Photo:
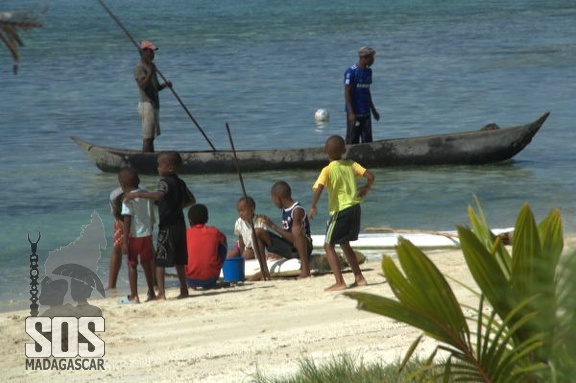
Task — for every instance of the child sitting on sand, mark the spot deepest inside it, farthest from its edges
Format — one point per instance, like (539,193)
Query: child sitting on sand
(339,177)
(206,249)
(246,207)
(293,239)
(138,216)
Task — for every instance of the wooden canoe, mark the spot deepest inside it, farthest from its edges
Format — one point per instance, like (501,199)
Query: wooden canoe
(466,148)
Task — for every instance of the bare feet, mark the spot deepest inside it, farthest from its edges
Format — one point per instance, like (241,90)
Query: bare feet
(150,296)
(160,297)
(336,287)
(183,294)
(112,292)
(128,300)
(304,275)
(359,282)
(256,277)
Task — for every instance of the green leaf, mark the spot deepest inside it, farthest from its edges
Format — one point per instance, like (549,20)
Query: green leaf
(397,311)
(487,273)
(525,253)
(428,285)
(484,234)
(552,237)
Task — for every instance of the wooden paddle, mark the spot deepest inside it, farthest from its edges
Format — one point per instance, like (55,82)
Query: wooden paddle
(160,73)
(260,257)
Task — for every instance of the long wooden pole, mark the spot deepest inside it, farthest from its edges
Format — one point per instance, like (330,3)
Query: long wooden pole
(261,257)
(160,73)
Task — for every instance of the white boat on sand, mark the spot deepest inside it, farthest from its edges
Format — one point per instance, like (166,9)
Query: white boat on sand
(371,245)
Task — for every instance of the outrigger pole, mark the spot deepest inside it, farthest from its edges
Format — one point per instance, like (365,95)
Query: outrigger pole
(261,257)
(160,73)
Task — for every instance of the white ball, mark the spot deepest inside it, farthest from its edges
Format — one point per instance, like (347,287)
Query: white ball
(321,115)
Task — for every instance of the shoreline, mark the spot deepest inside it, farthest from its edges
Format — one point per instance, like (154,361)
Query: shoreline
(228,334)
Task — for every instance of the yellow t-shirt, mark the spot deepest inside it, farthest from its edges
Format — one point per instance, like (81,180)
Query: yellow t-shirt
(339,177)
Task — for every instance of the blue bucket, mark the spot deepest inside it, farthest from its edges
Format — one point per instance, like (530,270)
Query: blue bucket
(233,269)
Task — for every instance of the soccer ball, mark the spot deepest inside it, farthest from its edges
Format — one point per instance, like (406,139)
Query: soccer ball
(321,116)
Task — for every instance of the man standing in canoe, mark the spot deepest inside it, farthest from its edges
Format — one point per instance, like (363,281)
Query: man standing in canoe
(359,106)
(149,105)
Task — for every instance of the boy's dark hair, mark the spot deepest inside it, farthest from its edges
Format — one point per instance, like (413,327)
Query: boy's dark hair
(129,177)
(197,214)
(173,158)
(249,201)
(335,146)
(282,188)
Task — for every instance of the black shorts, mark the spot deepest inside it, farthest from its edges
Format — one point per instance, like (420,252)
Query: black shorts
(171,248)
(284,248)
(344,226)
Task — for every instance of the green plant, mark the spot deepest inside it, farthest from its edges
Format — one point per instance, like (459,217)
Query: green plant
(344,369)
(526,304)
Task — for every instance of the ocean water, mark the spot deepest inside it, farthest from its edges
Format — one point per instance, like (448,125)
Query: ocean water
(265,67)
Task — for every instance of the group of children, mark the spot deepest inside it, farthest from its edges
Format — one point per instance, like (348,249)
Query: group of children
(133,211)
(199,251)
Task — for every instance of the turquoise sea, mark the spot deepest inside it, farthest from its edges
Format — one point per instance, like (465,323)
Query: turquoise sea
(265,67)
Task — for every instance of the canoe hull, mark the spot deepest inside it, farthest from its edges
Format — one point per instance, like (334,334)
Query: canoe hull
(467,148)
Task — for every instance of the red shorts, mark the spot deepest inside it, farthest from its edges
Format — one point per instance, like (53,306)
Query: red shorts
(140,247)
(118,234)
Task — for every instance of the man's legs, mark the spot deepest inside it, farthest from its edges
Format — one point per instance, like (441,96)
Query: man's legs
(365,128)
(148,145)
(150,125)
(352,132)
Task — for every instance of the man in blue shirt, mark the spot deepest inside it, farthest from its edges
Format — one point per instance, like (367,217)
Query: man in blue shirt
(359,106)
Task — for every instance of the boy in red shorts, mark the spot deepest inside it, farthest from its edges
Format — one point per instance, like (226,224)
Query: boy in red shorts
(172,195)
(138,216)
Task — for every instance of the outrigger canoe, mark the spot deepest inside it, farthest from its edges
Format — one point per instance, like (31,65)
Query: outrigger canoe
(466,148)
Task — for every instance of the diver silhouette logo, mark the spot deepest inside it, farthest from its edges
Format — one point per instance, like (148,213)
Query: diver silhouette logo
(65,325)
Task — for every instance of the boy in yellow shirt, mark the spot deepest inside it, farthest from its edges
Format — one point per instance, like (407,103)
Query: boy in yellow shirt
(339,177)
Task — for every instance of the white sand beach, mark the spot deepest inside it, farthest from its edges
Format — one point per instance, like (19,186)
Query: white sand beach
(225,335)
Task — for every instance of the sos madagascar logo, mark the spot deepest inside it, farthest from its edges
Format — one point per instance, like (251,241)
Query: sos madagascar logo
(63,326)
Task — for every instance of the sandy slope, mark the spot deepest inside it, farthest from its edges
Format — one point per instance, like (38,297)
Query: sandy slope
(226,335)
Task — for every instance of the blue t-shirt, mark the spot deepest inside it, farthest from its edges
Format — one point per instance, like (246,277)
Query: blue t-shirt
(288,219)
(359,79)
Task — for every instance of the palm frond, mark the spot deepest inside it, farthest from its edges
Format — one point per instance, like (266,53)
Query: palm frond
(13,24)
(484,234)
(487,273)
